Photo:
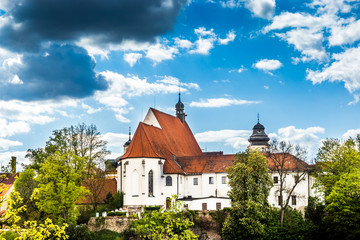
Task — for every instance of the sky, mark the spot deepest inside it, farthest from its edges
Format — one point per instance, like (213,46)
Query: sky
(105,62)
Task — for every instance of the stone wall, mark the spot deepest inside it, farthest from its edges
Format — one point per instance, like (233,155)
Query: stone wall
(113,223)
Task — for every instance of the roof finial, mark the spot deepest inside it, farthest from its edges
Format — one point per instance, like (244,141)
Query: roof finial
(258,117)
(129,133)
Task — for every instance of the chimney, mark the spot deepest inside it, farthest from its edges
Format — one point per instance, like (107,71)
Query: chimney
(13,164)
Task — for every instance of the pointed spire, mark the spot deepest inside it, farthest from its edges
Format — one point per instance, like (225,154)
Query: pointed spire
(129,133)
(258,117)
(179,108)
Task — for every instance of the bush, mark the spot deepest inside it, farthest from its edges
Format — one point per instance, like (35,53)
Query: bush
(79,232)
(8,235)
(152,208)
(85,213)
(119,214)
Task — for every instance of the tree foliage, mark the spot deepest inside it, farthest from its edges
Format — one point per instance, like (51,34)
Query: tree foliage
(59,186)
(170,224)
(250,185)
(338,175)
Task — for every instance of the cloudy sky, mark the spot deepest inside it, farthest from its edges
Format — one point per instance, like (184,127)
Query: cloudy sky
(64,62)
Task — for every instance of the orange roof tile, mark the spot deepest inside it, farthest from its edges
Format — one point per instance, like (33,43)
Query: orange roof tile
(172,139)
(206,163)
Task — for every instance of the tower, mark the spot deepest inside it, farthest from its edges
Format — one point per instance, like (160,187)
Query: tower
(259,139)
(126,145)
(179,108)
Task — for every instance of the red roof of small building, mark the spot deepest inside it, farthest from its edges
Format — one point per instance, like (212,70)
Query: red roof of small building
(9,181)
(108,186)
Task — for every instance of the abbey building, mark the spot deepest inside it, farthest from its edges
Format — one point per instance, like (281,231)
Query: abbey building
(163,158)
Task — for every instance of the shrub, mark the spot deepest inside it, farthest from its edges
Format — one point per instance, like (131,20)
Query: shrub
(79,232)
(119,214)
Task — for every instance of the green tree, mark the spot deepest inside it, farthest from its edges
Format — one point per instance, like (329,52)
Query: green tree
(343,207)
(58,187)
(171,224)
(24,186)
(250,184)
(335,159)
(338,176)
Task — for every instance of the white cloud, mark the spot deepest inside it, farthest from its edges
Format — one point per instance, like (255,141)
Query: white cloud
(115,139)
(11,128)
(220,102)
(159,53)
(261,8)
(306,138)
(300,20)
(267,65)
(350,133)
(345,34)
(308,42)
(230,37)
(89,109)
(183,43)
(345,68)
(332,6)
(175,81)
(15,80)
(121,87)
(238,139)
(36,112)
(205,42)
(132,58)
(231,3)
(266,87)
(5,144)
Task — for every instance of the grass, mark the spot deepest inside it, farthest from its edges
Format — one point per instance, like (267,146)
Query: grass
(107,235)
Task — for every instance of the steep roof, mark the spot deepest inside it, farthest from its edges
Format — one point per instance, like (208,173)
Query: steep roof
(172,138)
(107,186)
(9,181)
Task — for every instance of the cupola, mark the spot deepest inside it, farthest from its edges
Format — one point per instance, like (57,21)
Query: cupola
(126,145)
(179,108)
(259,139)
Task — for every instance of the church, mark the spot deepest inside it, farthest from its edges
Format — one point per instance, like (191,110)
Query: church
(163,158)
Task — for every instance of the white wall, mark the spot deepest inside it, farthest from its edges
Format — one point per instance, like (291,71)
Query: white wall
(196,204)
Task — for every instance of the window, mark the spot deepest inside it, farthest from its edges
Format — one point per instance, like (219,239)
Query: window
(293,200)
(211,180)
(195,181)
(151,183)
(218,205)
(186,206)
(280,200)
(204,206)
(168,181)
(276,179)
(223,179)
(135,183)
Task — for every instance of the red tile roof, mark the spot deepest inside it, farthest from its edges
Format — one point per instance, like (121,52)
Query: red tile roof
(8,181)
(109,185)
(175,143)
(172,139)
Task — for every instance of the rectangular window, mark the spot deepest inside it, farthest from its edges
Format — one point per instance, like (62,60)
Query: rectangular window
(211,180)
(280,200)
(218,205)
(223,179)
(204,206)
(195,181)
(186,206)
(293,200)
(276,180)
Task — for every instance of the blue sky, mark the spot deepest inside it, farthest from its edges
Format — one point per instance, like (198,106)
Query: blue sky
(296,63)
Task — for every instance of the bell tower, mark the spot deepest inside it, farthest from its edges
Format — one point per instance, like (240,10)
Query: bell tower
(259,139)
(179,108)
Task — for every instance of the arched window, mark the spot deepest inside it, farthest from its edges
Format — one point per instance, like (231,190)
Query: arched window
(135,183)
(168,181)
(151,183)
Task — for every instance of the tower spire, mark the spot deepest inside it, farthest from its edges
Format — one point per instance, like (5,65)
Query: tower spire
(179,108)
(129,133)
(259,139)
